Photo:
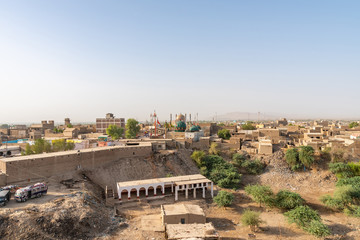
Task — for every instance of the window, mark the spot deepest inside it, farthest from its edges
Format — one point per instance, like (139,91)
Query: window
(182,221)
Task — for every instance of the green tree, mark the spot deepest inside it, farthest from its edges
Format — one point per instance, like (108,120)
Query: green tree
(28,150)
(224,134)
(224,199)
(261,194)
(69,146)
(288,200)
(214,149)
(248,126)
(306,156)
(292,158)
(198,157)
(114,132)
(59,145)
(353,125)
(39,146)
(253,166)
(69,125)
(47,147)
(251,219)
(132,128)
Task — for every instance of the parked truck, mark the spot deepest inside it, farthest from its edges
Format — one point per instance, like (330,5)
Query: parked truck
(4,197)
(32,191)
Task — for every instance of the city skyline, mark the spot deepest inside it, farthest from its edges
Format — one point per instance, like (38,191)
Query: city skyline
(84,59)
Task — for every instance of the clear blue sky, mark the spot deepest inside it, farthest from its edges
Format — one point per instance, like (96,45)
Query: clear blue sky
(82,59)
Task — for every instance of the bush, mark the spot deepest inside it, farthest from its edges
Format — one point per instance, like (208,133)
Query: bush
(354,181)
(253,166)
(353,211)
(353,125)
(198,157)
(317,229)
(288,200)
(302,216)
(214,149)
(238,159)
(224,134)
(355,168)
(337,155)
(261,194)
(341,170)
(306,156)
(224,199)
(251,218)
(343,197)
(220,172)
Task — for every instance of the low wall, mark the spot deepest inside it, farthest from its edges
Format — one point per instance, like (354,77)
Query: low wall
(51,164)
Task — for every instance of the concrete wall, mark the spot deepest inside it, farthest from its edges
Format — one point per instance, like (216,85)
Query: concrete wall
(50,164)
(189,218)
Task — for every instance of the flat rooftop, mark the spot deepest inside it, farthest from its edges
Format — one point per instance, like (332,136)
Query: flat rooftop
(178,209)
(64,153)
(175,180)
(186,231)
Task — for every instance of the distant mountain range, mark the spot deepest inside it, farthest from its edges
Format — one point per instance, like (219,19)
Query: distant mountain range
(264,116)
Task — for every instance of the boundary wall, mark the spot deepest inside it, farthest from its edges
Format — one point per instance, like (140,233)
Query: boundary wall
(50,164)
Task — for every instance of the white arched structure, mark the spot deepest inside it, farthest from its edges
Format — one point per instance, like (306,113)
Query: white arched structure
(181,183)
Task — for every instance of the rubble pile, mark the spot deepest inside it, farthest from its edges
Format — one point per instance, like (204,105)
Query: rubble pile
(75,216)
(279,175)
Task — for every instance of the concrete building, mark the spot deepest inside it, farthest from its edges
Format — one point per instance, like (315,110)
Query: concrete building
(103,123)
(195,136)
(182,214)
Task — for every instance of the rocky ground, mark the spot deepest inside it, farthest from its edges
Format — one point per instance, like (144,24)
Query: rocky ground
(77,215)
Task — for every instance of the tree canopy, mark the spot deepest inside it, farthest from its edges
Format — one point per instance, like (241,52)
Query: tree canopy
(248,126)
(353,125)
(306,155)
(224,199)
(224,134)
(114,132)
(261,194)
(132,128)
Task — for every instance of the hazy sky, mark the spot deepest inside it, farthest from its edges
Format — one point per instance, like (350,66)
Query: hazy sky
(82,59)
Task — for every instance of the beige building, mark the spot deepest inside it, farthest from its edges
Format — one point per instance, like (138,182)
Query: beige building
(265,147)
(71,133)
(182,214)
(103,123)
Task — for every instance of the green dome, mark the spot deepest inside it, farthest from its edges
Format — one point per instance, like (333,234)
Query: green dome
(180,127)
(194,128)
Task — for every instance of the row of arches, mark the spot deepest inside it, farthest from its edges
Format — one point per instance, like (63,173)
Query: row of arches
(134,192)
